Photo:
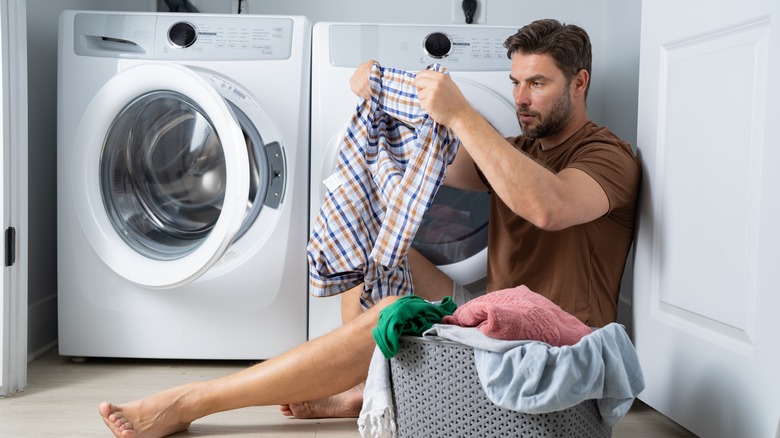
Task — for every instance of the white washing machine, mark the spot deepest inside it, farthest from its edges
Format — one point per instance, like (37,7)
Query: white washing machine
(182,184)
(454,231)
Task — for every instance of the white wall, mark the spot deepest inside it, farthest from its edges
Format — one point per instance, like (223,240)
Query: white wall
(620,76)
(206,6)
(42,17)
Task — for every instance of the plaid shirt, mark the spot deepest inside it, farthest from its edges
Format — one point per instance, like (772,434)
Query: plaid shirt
(391,162)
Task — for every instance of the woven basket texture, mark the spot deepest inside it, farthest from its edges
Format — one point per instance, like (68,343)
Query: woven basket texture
(437,393)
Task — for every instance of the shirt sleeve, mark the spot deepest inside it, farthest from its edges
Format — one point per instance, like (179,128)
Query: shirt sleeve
(616,169)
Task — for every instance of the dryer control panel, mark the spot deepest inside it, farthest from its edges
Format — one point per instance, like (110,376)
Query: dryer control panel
(183,36)
(458,48)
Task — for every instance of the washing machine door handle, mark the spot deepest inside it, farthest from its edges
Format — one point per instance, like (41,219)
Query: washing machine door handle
(125,189)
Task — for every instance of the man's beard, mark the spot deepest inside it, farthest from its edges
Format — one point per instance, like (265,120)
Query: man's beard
(552,123)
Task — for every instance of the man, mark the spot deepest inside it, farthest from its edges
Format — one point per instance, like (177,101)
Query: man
(564,193)
(562,218)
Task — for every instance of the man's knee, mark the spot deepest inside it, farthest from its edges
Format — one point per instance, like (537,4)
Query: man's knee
(371,315)
(384,302)
(380,305)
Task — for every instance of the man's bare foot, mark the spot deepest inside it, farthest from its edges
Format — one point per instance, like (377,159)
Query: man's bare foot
(152,417)
(344,405)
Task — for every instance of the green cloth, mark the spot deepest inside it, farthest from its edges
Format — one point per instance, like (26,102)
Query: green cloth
(410,315)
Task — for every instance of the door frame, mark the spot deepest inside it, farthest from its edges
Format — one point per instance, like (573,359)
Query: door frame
(13,178)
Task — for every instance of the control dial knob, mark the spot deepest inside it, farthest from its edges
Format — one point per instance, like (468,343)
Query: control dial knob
(437,45)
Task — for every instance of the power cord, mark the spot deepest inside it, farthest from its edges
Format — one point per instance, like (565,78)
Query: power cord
(469,8)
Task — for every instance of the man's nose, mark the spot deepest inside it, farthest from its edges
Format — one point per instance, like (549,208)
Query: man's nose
(521,96)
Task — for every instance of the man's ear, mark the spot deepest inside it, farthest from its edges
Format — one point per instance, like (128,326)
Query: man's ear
(580,82)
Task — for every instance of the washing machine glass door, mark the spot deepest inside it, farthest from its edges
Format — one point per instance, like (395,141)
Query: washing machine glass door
(454,230)
(166,174)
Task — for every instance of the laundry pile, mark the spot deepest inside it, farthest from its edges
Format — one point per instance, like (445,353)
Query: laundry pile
(530,355)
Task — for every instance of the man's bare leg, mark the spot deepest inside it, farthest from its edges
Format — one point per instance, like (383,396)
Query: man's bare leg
(316,369)
(350,304)
(343,405)
(429,283)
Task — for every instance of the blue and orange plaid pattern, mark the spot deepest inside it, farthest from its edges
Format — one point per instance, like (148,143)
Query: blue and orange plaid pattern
(391,163)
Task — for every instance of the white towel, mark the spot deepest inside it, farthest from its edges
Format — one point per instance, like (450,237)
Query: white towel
(377,416)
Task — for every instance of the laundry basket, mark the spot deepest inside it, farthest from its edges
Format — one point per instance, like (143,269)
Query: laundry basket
(437,392)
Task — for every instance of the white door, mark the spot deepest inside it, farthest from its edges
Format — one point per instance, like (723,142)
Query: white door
(708,245)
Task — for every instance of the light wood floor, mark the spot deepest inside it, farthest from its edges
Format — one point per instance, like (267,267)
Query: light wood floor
(62,396)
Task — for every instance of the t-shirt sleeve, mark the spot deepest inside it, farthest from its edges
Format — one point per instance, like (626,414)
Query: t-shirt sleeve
(616,169)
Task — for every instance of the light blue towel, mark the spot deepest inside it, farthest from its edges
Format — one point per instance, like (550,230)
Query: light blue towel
(534,377)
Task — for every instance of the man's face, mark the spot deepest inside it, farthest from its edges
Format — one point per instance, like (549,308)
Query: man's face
(542,95)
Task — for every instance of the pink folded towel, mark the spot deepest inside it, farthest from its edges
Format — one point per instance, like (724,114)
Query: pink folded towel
(519,314)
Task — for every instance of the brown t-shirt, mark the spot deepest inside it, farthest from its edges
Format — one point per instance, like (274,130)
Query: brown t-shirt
(578,268)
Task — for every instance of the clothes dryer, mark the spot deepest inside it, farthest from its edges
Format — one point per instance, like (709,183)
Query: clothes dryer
(454,230)
(182,184)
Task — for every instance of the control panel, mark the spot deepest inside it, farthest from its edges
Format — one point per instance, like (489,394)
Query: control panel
(183,37)
(214,38)
(414,47)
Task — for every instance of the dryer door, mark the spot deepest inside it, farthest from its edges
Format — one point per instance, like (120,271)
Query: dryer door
(163,175)
(454,231)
